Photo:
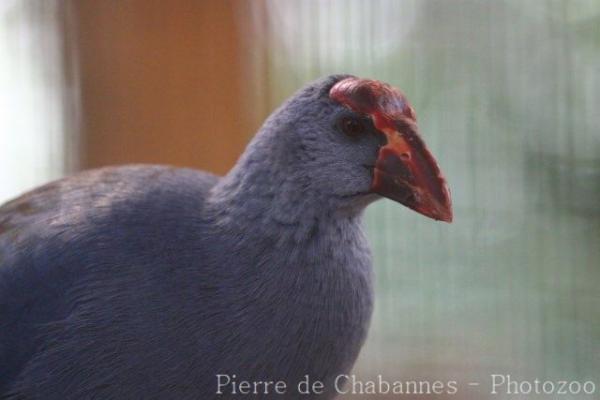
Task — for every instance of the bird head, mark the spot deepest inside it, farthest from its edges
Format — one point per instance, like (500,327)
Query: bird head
(404,169)
(354,140)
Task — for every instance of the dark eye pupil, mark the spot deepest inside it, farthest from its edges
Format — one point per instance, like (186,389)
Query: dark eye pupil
(352,127)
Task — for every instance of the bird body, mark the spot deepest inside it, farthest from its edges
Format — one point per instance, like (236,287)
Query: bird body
(71,307)
(145,282)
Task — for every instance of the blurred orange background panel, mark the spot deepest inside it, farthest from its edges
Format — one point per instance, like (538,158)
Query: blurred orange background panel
(162,82)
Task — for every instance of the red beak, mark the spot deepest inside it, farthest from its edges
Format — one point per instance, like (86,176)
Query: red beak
(405,170)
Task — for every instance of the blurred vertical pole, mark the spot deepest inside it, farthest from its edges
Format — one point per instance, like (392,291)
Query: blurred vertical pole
(162,82)
(255,35)
(38,95)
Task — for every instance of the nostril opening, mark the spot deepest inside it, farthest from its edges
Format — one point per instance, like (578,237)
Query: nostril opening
(405,156)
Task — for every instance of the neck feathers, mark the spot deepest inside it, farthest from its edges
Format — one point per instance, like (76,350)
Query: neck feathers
(258,195)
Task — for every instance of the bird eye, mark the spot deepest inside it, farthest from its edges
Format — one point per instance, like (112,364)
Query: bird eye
(352,126)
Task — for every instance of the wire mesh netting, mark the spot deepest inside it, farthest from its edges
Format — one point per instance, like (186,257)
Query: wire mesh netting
(507,95)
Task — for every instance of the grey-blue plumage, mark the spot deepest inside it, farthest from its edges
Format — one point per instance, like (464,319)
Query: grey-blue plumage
(144,282)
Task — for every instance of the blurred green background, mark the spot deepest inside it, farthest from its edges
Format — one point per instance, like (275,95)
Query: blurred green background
(508,98)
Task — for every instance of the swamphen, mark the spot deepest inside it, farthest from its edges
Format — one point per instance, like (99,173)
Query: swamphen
(153,282)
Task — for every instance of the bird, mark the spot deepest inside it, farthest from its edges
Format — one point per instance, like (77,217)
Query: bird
(158,282)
